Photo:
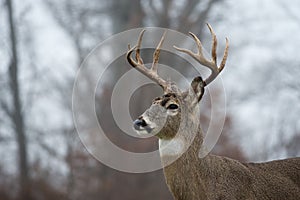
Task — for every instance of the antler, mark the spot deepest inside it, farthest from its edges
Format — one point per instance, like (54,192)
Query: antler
(211,64)
(139,64)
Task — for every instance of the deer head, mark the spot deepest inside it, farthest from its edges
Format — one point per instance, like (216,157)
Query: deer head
(174,110)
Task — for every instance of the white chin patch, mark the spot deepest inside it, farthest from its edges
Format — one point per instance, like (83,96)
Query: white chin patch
(173,147)
(142,132)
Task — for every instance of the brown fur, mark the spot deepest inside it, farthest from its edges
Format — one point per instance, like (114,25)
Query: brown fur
(212,177)
(216,177)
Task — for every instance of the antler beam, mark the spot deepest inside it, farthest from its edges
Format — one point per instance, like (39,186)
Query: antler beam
(199,57)
(139,64)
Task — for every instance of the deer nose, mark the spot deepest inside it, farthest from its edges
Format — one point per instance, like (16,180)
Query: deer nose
(139,123)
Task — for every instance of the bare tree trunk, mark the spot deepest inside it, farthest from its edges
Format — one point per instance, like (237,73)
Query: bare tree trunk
(17,116)
(126,14)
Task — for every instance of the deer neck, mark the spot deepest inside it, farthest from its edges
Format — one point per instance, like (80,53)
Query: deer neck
(186,143)
(179,165)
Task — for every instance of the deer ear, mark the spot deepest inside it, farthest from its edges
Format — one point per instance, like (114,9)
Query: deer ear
(196,90)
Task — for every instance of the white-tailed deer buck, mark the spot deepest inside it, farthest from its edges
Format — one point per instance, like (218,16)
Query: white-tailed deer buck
(174,119)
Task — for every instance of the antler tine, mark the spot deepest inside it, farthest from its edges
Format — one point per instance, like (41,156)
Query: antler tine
(139,65)
(214,43)
(189,52)
(225,55)
(199,55)
(156,53)
(211,64)
(139,60)
(138,47)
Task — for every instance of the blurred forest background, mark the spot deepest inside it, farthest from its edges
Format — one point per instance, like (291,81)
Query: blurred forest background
(43,43)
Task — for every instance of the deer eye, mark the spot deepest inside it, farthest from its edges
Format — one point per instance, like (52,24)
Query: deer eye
(172,106)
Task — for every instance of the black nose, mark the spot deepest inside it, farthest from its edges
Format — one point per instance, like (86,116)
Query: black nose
(139,123)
